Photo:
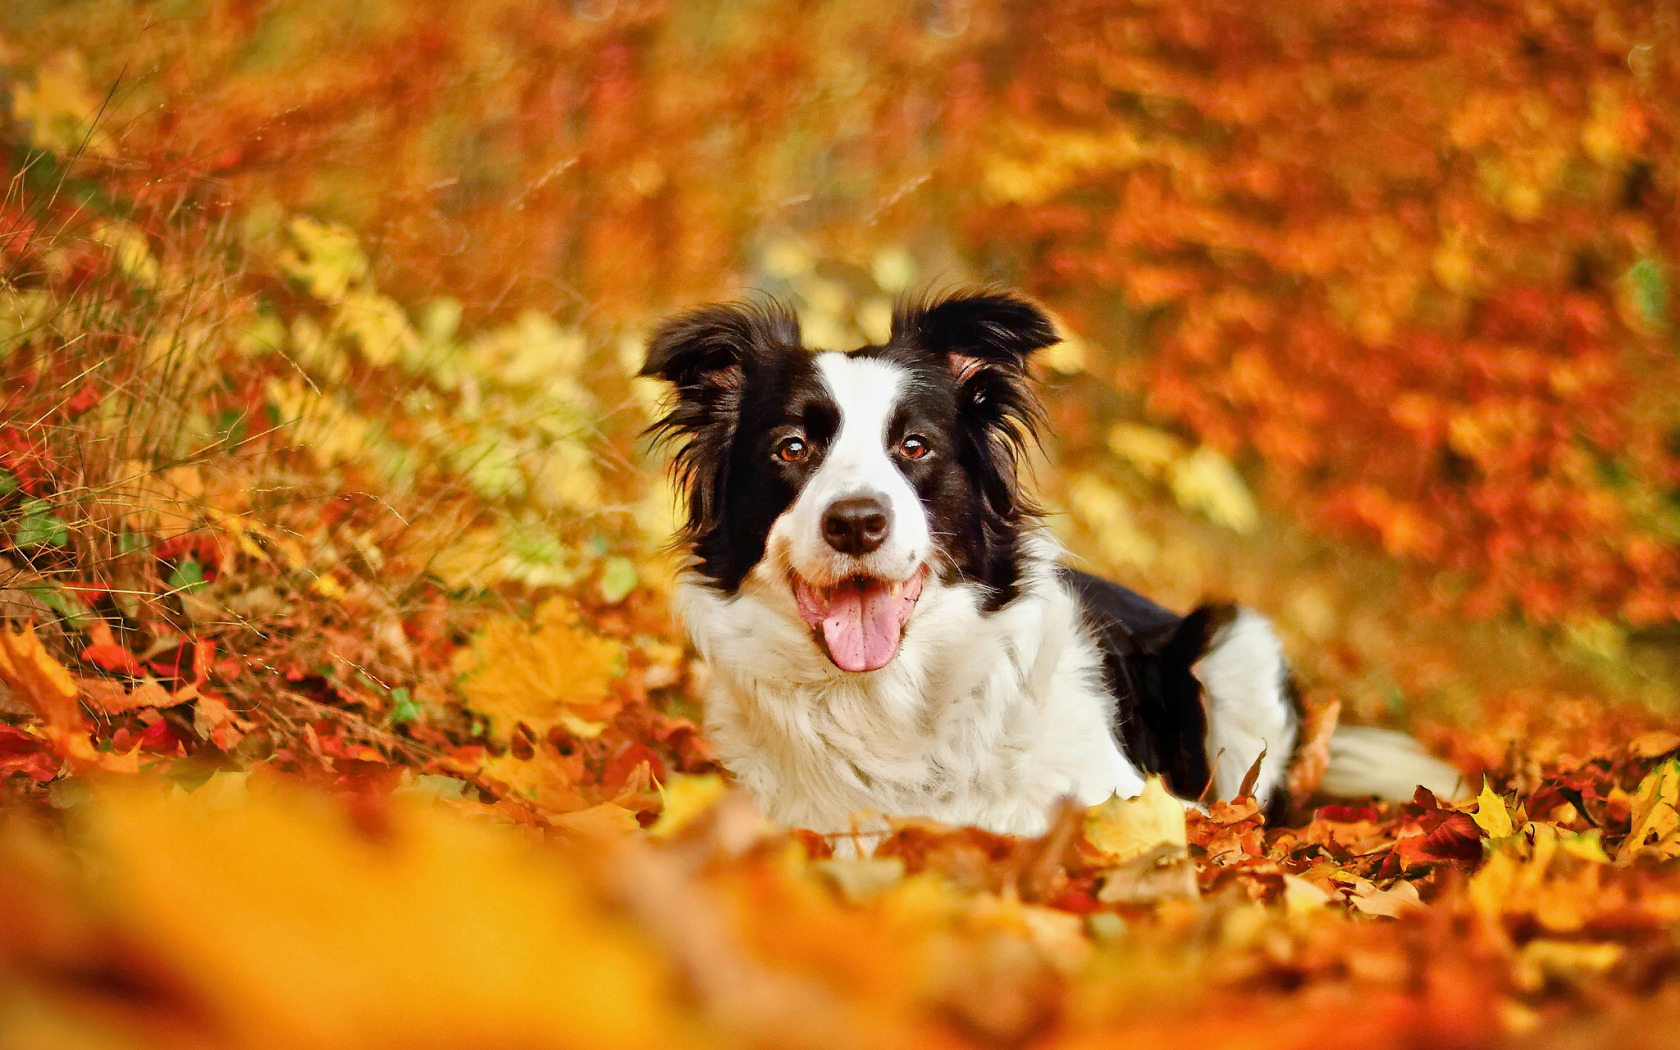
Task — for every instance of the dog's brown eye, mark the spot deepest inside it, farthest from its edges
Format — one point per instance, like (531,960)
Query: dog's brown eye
(912,447)
(792,450)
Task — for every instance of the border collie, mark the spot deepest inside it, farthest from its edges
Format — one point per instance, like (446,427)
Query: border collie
(889,627)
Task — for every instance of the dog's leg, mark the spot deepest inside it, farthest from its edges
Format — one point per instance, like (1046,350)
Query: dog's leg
(1251,709)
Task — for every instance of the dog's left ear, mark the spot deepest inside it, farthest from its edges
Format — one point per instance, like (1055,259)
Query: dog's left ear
(977,330)
(985,338)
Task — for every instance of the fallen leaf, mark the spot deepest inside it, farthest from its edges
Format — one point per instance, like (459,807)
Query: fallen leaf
(1312,758)
(558,673)
(1491,815)
(49,690)
(1391,903)
(1124,828)
(685,798)
(1654,823)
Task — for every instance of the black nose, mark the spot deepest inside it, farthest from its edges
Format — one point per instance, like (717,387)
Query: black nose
(857,525)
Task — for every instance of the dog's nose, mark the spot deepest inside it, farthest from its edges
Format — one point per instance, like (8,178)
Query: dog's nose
(857,525)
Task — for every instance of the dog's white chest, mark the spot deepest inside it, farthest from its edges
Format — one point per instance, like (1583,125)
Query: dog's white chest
(982,719)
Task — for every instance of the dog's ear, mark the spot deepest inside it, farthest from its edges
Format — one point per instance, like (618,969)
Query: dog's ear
(977,330)
(985,338)
(704,348)
(704,353)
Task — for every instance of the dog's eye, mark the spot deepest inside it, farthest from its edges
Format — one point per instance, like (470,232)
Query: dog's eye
(913,447)
(792,450)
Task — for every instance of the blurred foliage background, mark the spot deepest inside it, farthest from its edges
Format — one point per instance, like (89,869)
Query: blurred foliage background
(1369,305)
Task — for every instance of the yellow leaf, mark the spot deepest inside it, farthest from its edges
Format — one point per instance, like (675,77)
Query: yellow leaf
(1491,815)
(1391,903)
(545,781)
(326,257)
(1068,357)
(1207,484)
(441,931)
(1301,896)
(158,503)
(686,797)
(1544,960)
(1655,824)
(540,677)
(604,821)
(565,476)
(861,879)
(49,690)
(132,251)
(1105,513)
(378,327)
(1124,828)
(60,108)
(1149,451)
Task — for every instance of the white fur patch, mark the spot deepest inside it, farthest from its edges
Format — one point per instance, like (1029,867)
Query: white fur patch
(981,719)
(857,463)
(1244,680)
(1367,762)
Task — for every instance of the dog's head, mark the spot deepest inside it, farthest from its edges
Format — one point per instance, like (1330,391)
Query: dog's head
(853,477)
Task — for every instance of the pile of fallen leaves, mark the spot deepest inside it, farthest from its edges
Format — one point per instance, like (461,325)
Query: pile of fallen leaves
(249,910)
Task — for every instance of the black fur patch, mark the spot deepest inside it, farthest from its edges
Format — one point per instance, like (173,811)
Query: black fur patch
(977,344)
(741,376)
(743,380)
(1147,656)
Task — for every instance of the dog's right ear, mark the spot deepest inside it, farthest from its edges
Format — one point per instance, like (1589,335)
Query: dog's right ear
(702,350)
(703,354)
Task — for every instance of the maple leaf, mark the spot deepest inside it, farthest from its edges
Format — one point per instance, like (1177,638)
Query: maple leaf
(107,654)
(1312,757)
(49,690)
(1655,823)
(559,673)
(1124,828)
(1491,815)
(684,798)
(545,779)
(24,752)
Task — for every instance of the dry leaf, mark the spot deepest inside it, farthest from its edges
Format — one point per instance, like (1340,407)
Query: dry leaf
(558,673)
(1491,815)
(42,683)
(1312,758)
(1124,828)
(302,931)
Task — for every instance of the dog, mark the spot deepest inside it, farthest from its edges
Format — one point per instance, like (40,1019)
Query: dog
(890,628)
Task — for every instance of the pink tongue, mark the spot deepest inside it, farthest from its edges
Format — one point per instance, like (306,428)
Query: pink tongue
(863,625)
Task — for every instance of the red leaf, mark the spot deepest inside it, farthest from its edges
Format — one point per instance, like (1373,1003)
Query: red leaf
(21,752)
(107,654)
(84,399)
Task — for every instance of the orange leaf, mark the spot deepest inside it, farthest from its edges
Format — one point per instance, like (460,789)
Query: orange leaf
(107,654)
(42,683)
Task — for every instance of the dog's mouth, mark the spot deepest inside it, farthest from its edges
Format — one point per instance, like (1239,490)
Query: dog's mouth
(861,619)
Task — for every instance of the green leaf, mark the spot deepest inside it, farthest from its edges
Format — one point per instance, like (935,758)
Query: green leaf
(618,579)
(188,576)
(38,527)
(71,609)
(407,709)
(1649,282)
(8,484)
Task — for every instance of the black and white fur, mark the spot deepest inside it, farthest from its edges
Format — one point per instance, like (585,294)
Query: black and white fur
(865,510)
